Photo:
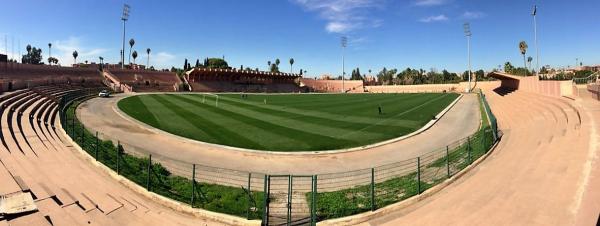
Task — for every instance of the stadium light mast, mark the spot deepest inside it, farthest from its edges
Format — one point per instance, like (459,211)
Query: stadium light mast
(467,28)
(124,18)
(344,42)
(537,50)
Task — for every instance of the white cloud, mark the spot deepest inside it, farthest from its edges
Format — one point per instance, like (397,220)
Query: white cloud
(162,60)
(343,15)
(63,51)
(430,2)
(437,18)
(473,15)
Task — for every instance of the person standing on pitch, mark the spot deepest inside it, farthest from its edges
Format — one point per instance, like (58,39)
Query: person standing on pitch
(379,108)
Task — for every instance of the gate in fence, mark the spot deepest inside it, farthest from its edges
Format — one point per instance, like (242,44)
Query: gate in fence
(290,200)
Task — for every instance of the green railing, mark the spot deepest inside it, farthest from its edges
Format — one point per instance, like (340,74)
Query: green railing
(282,199)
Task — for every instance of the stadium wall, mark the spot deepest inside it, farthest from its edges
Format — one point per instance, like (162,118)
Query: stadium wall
(413,88)
(332,86)
(451,87)
(534,85)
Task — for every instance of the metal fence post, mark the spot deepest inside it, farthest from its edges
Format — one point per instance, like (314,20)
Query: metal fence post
(372,189)
(249,197)
(97,146)
(265,219)
(289,215)
(118,154)
(149,169)
(418,175)
(447,161)
(193,184)
(313,206)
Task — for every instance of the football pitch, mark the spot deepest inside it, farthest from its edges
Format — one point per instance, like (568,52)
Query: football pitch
(288,122)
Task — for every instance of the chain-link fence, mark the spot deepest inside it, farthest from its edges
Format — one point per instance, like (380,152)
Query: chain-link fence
(281,199)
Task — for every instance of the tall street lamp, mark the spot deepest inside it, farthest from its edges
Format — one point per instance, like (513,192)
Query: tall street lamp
(344,42)
(537,51)
(467,28)
(124,18)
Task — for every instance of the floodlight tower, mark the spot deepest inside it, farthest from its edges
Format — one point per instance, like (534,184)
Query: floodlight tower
(124,18)
(344,42)
(467,28)
(537,51)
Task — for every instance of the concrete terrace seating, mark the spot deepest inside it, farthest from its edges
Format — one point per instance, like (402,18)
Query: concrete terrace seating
(66,189)
(18,76)
(228,86)
(147,81)
(535,171)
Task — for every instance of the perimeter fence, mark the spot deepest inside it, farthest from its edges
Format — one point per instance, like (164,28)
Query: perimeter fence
(281,199)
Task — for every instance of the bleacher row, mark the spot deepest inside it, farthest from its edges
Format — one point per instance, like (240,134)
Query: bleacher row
(40,168)
(228,86)
(15,76)
(147,81)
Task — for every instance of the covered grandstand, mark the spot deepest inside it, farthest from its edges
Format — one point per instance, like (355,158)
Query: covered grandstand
(232,80)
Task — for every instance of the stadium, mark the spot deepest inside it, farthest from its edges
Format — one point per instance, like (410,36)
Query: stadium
(125,144)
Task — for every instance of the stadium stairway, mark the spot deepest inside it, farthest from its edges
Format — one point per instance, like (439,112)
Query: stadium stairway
(532,178)
(35,158)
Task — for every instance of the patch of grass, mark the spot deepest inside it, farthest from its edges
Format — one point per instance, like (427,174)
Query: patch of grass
(296,122)
(213,197)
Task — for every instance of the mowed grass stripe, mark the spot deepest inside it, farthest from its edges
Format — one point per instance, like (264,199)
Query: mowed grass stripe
(315,141)
(264,138)
(316,101)
(216,133)
(369,106)
(137,109)
(348,116)
(287,113)
(390,107)
(429,102)
(433,109)
(288,120)
(170,120)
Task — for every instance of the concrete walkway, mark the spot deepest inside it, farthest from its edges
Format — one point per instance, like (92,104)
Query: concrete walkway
(101,115)
(544,171)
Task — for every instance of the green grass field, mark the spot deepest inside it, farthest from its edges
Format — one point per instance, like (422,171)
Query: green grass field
(297,122)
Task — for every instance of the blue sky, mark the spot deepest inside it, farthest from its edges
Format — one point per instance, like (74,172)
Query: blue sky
(382,33)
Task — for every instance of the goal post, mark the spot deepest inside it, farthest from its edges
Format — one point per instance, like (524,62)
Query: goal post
(210,94)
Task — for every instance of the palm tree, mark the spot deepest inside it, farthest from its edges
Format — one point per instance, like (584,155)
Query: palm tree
(49,52)
(529,59)
(148,60)
(523,48)
(134,55)
(75,54)
(291,65)
(131,43)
